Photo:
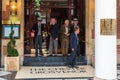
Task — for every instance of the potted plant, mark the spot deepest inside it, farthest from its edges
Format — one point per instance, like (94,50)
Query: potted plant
(12,58)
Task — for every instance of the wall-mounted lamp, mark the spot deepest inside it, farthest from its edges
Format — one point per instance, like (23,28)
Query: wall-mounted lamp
(13,7)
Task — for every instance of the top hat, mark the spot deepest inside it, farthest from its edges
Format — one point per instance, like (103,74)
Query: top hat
(75,19)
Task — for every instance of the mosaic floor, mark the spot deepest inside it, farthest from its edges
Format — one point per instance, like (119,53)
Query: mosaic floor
(55,72)
(118,72)
(11,76)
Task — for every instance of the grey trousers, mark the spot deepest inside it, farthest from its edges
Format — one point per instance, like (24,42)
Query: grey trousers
(38,44)
(51,44)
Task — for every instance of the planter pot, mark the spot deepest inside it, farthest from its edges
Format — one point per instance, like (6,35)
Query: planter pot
(12,63)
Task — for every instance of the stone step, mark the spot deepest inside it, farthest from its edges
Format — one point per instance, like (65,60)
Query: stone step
(51,61)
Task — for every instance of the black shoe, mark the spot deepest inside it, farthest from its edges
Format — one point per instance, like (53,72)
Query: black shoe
(70,66)
(36,55)
(50,55)
(40,54)
(55,55)
(66,55)
(75,67)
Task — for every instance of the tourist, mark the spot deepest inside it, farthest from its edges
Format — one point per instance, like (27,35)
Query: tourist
(65,32)
(53,32)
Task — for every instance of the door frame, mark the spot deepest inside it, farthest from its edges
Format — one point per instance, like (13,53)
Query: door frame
(70,16)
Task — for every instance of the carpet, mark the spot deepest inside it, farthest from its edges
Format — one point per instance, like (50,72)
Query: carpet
(51,61)
(57,72)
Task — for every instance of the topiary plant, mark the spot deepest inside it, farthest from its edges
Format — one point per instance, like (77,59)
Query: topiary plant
(11,51)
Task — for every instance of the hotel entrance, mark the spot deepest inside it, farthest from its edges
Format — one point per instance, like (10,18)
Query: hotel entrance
(25,14)
(61,10)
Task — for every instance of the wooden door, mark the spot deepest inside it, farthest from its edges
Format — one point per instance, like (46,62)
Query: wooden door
(30,17)
(81,15)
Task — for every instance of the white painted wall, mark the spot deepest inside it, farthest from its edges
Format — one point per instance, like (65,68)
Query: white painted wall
(105,46)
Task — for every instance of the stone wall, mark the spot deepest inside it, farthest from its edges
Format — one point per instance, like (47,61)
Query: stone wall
(90,7)
(118,31)
(118,26)
(18,19)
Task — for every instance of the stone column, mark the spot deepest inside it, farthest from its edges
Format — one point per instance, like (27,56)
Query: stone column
(105,39)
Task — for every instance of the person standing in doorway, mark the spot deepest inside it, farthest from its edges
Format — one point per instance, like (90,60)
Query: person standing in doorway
(38,29)
(65,32)
(75,24)
(53,32)
(74,43)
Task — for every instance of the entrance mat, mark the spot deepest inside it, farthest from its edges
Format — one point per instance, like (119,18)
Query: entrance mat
(57,72)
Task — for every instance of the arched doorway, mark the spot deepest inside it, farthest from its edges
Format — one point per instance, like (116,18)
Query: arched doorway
(48,8)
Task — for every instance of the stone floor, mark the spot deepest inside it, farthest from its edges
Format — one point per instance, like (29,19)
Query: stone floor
(11,75)
(118,72)
(7,76)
